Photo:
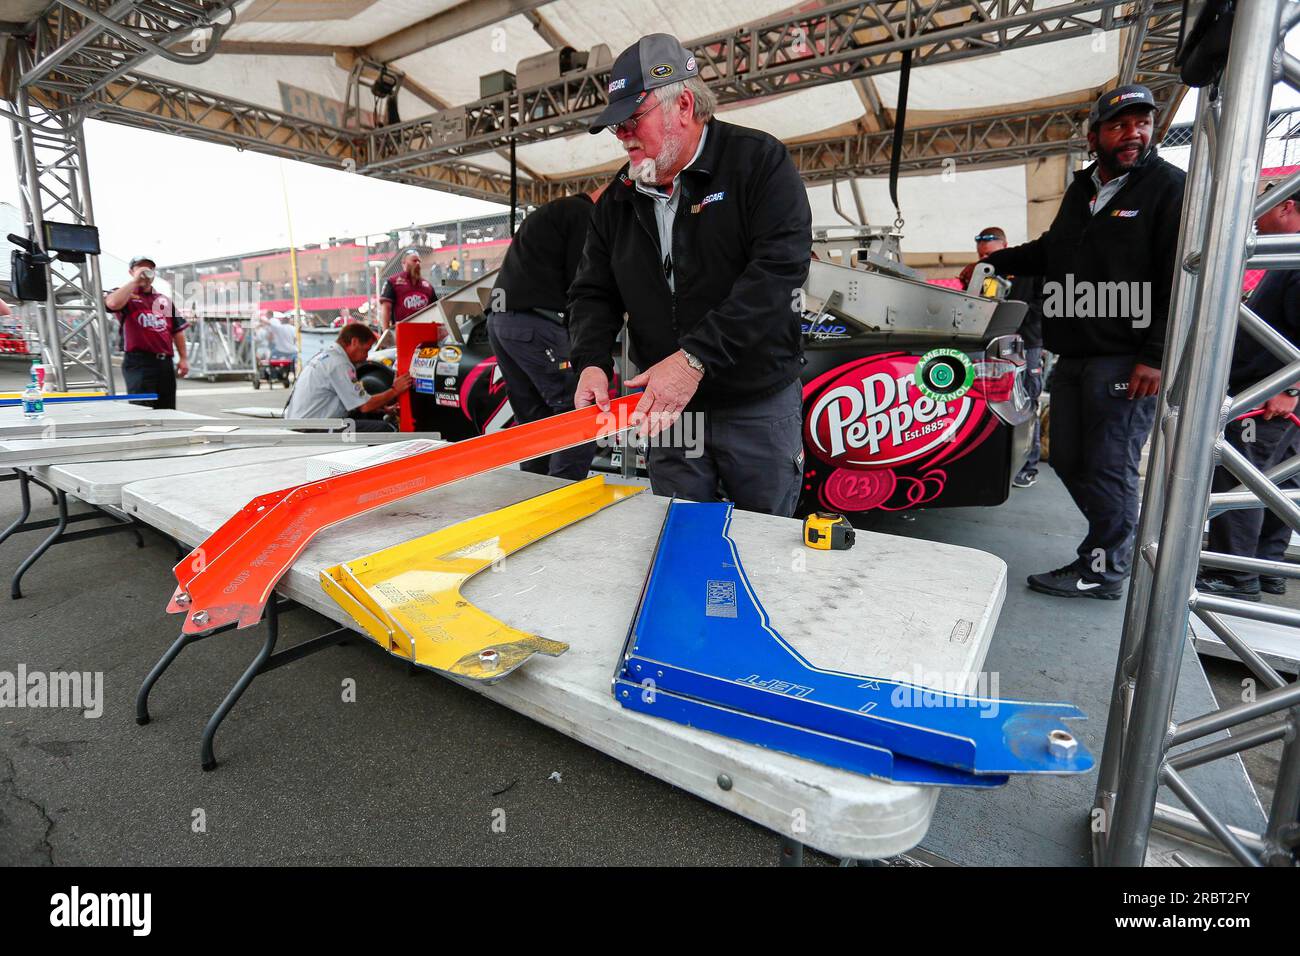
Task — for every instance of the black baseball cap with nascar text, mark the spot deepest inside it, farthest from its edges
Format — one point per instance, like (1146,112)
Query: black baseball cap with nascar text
(651,62)
(1119,99)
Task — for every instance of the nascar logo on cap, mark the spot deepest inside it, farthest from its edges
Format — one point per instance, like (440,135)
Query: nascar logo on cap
(617,85)
(662,70)
(1125,96)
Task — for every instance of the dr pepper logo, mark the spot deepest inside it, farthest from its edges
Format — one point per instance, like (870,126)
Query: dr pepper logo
(869,414)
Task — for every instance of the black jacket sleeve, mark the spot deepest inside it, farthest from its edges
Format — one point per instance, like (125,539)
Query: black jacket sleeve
(767,292)
(595,303)
(575,239)
(1026,259)
(1164,242)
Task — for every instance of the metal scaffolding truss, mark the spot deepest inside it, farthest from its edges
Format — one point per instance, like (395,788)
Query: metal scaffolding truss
(987,141)
(83,45)
(1145,749)
(50,160)
(831,44)
(834,43)
(1148,57)
(75,51)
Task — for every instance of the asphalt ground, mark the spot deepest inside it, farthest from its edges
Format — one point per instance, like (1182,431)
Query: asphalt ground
(416,771)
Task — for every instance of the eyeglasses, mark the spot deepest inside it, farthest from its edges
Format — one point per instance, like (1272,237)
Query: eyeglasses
(628,126)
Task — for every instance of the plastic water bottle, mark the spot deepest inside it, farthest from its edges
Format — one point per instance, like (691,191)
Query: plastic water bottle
(33,401)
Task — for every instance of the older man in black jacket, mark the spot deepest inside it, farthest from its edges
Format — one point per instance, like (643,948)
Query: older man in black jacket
(704,240)
(1108,262)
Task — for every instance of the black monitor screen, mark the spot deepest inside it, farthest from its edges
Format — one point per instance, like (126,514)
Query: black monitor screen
(66,237)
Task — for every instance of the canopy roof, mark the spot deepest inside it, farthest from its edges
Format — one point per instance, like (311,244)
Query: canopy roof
(995,83)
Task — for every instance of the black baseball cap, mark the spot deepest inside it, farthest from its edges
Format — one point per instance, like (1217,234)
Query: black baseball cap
(651,62)
(139,259)
(1119,99)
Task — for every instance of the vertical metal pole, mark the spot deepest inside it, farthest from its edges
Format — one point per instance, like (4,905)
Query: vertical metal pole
(514,188)
(1284,814)
(1246,85)
(103,353)
(1181,300)
(51,346)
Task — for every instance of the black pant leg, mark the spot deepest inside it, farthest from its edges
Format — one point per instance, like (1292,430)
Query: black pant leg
(1112,430)
(141,373)
(1066,426)
(1274,533)
(165,377)
(1238,531)
(759,450)
(556,381)
(512,341)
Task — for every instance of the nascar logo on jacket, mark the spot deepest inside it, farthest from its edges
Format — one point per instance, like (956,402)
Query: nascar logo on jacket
(712,197)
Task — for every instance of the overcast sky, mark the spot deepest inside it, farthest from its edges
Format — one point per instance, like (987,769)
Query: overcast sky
(179,200)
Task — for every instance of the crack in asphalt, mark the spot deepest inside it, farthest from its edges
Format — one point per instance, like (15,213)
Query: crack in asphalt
(11,785)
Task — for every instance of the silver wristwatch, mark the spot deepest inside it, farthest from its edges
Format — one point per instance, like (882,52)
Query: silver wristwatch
(693,362)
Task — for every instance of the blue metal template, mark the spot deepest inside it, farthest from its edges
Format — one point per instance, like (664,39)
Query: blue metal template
(774,735)
(701,633)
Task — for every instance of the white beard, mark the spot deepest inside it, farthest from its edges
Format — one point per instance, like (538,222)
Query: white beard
(648,171)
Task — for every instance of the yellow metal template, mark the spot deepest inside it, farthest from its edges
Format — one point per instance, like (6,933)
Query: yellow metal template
(407,597)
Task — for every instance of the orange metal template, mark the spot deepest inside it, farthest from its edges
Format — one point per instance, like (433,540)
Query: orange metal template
(229,577)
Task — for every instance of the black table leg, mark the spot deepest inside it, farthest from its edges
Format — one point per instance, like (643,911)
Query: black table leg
(25,493)
(791,852)
(207,759)
(164,662)
(15,587)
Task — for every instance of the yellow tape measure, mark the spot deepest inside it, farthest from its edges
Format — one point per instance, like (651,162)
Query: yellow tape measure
(827,531)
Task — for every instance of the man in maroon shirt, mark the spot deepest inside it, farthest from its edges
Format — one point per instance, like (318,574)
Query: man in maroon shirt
(405,292)
(150,330)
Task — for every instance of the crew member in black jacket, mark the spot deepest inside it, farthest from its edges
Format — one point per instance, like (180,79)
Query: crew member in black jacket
(528,322)
(1266,439)
(1108,265)
(704,240)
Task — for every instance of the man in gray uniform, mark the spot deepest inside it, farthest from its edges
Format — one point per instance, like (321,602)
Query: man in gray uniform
(328,386)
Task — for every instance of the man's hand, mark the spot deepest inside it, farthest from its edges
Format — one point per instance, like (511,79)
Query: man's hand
(401,384)
(1279,406)
(1144,381)
(669,385)
(593,389)
(182,367)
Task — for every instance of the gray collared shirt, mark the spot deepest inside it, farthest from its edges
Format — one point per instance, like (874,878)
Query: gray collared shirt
(327,387)
(1106,192)
(666,210)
